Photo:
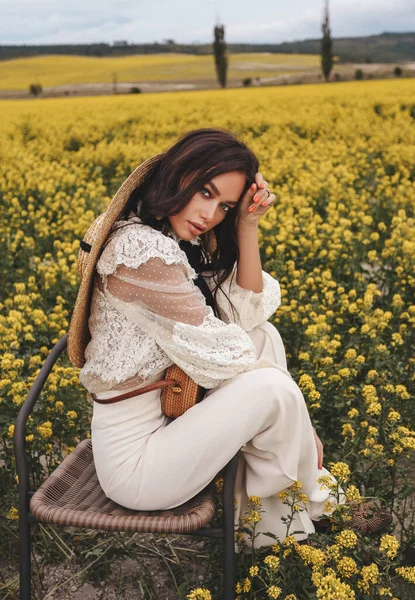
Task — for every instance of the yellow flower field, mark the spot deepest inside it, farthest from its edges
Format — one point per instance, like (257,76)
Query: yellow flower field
(51,70)
(340,239)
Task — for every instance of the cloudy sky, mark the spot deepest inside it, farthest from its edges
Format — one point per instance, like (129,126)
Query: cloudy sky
(268,21)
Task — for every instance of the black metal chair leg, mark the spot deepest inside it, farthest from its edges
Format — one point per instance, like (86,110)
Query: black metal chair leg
(22,467)
(25,565)
(229,559)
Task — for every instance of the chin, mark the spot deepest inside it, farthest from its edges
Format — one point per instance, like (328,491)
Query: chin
(185,235)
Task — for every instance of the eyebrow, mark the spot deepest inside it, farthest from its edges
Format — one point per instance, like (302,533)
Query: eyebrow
(215,189)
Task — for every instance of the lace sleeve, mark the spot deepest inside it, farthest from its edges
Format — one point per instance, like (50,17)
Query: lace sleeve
(253,308)
(173,311)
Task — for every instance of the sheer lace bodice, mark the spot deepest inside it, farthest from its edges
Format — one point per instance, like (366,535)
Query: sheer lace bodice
(147,313)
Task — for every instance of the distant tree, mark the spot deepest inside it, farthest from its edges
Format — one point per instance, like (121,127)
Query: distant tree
(247,81)
(397,71)
(135,90)
(326,45)
(35,89)
(221,60)
(114,83)
(358,74)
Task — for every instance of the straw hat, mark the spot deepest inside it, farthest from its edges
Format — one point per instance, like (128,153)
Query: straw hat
(89,253)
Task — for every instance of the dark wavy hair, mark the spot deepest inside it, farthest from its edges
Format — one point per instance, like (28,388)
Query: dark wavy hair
(197,157)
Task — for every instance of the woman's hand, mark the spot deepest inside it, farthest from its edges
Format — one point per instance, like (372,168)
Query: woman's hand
(255,203)
(319,446)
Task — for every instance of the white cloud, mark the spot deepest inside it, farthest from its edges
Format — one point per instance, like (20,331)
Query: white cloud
(75,21)
(347,18)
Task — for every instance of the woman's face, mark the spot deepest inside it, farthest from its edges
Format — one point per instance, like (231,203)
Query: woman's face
(209,206)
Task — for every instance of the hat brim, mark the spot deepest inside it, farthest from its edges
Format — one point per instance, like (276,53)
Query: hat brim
(78,334)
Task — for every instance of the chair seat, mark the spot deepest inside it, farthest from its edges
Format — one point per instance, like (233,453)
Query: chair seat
(72,496)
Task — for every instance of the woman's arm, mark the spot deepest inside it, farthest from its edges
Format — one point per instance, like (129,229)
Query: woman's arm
(253,206)
(249,269)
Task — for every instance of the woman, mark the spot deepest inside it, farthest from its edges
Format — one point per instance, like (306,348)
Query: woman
(178,279)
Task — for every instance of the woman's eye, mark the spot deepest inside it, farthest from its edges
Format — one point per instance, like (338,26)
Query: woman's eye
(225,207)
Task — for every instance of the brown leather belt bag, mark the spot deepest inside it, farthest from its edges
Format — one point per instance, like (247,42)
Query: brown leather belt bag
(179,392)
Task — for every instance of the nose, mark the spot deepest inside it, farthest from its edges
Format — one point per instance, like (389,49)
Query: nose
(208,212)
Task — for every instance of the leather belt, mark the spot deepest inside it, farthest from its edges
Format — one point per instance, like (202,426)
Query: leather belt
(148,388)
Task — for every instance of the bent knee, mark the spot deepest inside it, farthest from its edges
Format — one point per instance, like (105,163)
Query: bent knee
(266,382)
(279,388)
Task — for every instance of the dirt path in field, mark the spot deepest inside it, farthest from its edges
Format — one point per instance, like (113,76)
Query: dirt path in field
(312,75)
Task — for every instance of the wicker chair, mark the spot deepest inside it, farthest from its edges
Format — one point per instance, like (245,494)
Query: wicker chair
(71,496)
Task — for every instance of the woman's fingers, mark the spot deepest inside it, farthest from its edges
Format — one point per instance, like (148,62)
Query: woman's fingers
(257,196)
(261,185)
(262,197)
(259,180)
(262,200)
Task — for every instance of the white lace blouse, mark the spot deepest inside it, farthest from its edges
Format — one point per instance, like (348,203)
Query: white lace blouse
(147,314)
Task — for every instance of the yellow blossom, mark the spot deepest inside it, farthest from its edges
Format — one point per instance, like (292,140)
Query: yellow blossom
(407,573)
(374,409)
(346,538)
(350,354)
(254,502)
(45,429)
(199,594)
(393,416)
(369,575)
(352,493)
(273,562)
(274,591)
(340,471)
(348,431)
(316,576)
(331,588)
(345,372)
(310,555)
(347,567)
(333,552)
(13,514)
(389,545)
(402,392)
(290,540)
(252,517)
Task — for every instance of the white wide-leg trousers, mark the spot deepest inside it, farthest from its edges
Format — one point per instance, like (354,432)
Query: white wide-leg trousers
(146,461)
